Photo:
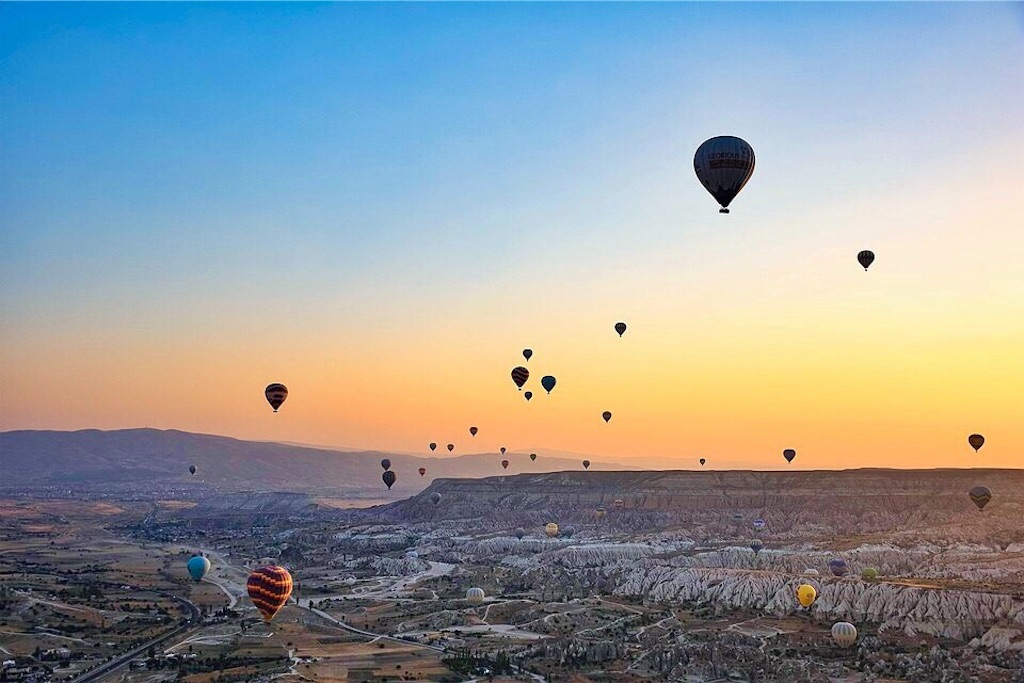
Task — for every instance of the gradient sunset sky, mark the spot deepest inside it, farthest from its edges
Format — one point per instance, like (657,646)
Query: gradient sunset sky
(381,205)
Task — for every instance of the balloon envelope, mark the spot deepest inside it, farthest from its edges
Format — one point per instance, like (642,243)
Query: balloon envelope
(806,595)
(192,469)
(528,395)
(198,566)
(389,479)
(866,258)
(586,464)
(551,529)
(869,574)
(520,532)
(760,524)
(451,447)
(475,596)
(600,513)
(502,450)
(838,567)
(789,454)
(756,545)
(548,382)
(620,328)
(276,394)
(981,496)
(606,415)
(844,633)
(386,464)
(520,375)
(423,470)
(619,503)
(723,166)
(504,464)
(435,497)
(527,353)
(473,431)
(702,461)
(269,589)
(433,446)
(533,456)
(976,441)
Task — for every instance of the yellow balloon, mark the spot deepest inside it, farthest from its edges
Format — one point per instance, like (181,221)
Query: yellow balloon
(806,595)
(551,529)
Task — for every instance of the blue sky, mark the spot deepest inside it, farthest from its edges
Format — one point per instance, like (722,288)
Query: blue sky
(458,173)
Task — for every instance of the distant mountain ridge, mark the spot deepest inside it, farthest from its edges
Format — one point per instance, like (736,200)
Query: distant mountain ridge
(153,456)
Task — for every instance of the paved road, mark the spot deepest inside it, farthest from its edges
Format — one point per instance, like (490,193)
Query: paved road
(109,667)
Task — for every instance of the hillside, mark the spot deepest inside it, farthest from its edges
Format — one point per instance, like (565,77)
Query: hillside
(151,457)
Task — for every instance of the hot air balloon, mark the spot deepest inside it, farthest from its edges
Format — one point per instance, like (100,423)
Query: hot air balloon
(737,517)
(527,354)
(520,532)
(702,461)
(435,497)
(844,633)
(475,596)
(981,496)
(433,445)
(191,469)
(269,589)
(600,513)
(756,545)
(620,328)
(789,454)
(520,375)
(423,470)
(810,571)
(723,165)
(619,503)
(760,524)
(389,478)
(869,574)
(504,464)
(866,258)
(533,456)
(276,394)
(976,441)
(502,449)
(386,464)
(586,464)
(838,567)
(473,431)
(197,567)
(528,395)
(548,382)
(806,595)
(551,529)
(451,447)
(606,415)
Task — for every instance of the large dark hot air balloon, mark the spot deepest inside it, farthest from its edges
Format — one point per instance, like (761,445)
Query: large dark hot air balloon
(976,441)
(702,461)
(981,496)
(620,328)
(528,395)
(504,464)
(756,545)
(386,464)
(269,589)
(586,464)
(435,497)
(723,166)
(520,532)
(607,415)
(866,258)
(533,456)
(789,454)
(527,354)
(520,375)
(838,567)
(276,394)
(433,445)
(451,447)
(423,470)
(389,478)
(548,382)
(473,431)
(191,469)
